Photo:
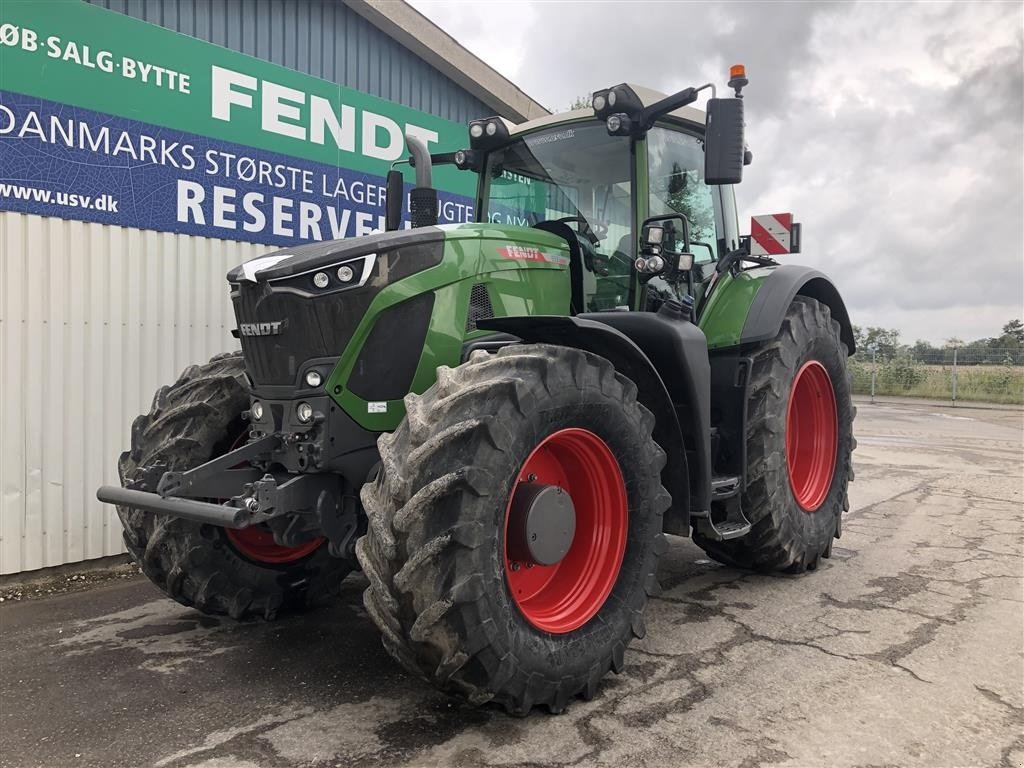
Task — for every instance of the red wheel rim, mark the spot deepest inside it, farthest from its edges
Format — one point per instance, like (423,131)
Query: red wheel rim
(812,435)
(257,542)
(562,597)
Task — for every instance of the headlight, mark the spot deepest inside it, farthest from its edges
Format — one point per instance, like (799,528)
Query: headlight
(304,412)
(492,128)
(321,280)
(641,264)
(345,274)
(256,410)
(611,98)
(314,379)
(476,130)
(614,123)
(598,103)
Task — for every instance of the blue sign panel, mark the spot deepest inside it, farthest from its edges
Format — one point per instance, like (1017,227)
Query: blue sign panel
(69,162)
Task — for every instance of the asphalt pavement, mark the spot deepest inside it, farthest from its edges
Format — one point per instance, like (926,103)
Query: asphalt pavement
(906,648)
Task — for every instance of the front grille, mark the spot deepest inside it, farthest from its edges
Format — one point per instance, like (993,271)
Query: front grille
(479,306)
(310,327)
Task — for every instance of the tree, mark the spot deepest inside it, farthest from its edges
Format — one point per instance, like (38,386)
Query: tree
(580,102)
(924,352)
(1015,330)
(884,341)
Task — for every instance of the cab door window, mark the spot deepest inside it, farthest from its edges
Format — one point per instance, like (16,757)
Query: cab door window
(676,181)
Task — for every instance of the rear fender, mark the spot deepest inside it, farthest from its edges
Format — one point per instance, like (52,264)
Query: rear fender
(776,294)
(629,360)
(748,308)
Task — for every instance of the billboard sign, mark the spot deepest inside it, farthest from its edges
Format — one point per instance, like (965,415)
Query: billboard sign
(109,119)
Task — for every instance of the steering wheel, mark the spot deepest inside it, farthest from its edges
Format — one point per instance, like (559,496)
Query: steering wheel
(592,233)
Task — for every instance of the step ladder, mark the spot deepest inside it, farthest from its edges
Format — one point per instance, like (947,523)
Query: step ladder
(724,489)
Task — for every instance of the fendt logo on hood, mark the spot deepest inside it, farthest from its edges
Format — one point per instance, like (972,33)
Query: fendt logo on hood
(529,253)
(260,329)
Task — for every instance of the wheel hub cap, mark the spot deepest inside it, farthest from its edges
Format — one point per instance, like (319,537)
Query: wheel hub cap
(812,435)
(541,525)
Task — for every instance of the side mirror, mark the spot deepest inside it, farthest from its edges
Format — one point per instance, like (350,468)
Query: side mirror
(664,246)
(724,150)
(395,192)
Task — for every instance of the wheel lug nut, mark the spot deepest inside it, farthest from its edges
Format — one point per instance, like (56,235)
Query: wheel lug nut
(515,566)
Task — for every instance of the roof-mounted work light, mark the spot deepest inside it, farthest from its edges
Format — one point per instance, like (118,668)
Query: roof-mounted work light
(487,133)
(619,99)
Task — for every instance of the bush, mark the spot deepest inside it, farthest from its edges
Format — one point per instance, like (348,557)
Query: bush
(899,376)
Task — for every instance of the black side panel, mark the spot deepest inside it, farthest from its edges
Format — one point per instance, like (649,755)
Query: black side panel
(679,351)
(776,294)
(730,378)
(564,231)
(630,361)
(388,359)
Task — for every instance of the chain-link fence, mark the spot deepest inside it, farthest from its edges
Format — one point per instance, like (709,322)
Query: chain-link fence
(975,374)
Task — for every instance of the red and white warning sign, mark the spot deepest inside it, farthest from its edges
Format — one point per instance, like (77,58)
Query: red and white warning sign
(772,235)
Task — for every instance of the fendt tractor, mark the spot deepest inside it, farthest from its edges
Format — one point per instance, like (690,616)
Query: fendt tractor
(498,422)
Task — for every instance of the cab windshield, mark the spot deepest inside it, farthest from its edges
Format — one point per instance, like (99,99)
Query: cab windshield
(577,172)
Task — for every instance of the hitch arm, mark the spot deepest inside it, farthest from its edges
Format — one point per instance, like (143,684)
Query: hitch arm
(217,478)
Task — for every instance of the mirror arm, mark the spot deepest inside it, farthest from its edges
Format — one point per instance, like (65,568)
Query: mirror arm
(649,115)
(731,260)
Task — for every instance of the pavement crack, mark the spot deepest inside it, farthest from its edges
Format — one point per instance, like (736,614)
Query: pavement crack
(988,693)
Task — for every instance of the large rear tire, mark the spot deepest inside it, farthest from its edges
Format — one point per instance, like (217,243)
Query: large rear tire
(453,603)
(238,573)
(799,446)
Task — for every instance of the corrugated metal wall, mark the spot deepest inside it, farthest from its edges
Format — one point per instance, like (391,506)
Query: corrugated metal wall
(323,38)
(93,319)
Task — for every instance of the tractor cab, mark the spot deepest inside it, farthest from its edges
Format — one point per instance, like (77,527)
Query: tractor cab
(635,163)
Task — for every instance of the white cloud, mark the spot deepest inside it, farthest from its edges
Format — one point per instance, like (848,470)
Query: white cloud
(895,132)
(490,30)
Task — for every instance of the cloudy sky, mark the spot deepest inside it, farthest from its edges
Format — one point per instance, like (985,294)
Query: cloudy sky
(894,132)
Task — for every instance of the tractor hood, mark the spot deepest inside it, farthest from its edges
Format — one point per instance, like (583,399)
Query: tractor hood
(329,255)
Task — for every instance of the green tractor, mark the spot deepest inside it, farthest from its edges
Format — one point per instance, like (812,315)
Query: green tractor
(498,422)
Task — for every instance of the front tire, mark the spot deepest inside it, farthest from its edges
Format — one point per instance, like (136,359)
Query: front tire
(799,446)
(238,573)
(444,589)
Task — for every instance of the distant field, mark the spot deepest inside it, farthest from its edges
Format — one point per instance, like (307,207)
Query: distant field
(975,383)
